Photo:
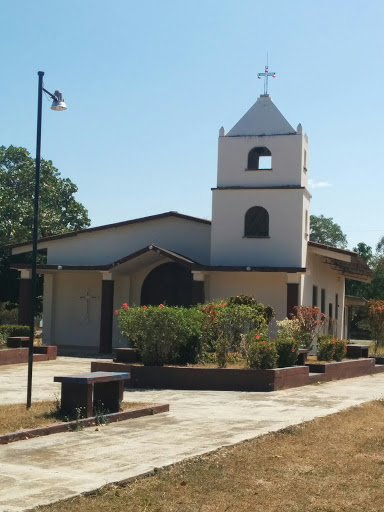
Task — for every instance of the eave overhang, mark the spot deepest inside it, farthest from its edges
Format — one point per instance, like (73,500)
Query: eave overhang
(348,263)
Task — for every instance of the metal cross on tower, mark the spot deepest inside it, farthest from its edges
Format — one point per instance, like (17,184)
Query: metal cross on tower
(266,74)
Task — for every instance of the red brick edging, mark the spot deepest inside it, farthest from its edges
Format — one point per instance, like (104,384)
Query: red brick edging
(56,428)
(20,355)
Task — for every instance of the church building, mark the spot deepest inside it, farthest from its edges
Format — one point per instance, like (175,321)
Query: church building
(257,243)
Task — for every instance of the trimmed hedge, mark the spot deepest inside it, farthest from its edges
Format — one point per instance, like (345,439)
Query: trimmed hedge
(162,334)
(330,349)
(288,351)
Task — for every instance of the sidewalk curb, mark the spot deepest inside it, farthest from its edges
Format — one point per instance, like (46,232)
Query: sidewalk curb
(84,422)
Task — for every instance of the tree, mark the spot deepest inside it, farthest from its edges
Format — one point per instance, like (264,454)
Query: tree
(380,246)
(365,252)
(325,231)
(59,211)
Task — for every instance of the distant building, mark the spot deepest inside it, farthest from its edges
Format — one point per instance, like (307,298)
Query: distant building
(257,244)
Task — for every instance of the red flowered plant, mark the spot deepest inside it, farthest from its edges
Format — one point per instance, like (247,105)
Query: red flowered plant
(259,351)
(330,348)
(288,351)
(310,322)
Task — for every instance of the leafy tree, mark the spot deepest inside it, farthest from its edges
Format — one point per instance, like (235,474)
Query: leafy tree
(380,246)
(365,252)
(59,211)
(325,231)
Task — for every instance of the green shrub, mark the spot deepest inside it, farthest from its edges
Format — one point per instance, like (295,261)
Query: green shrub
(8,313)
(259,351)
(324,347)
(162,334)
(330,349)
(340,349)
(247,300)
(226,321)
(13,330)
(288,351)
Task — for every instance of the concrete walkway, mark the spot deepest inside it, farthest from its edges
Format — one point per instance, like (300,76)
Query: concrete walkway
(46,469)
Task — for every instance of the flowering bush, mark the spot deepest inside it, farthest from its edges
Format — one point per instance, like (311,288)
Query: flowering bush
(310,321)
(325,347)
(340,349)
(259,351)
(330,349)
(225,323)
(288,328)
(288,351)
(162,334)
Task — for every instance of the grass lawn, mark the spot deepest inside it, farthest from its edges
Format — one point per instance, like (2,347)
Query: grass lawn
(330,464)
(14,417)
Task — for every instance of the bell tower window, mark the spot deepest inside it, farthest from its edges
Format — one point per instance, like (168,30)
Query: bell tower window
(256,223)
(259,159)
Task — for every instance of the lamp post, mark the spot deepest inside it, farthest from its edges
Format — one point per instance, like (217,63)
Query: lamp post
(57,104)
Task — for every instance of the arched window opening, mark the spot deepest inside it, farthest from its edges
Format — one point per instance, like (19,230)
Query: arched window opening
(256,223)
(259,159)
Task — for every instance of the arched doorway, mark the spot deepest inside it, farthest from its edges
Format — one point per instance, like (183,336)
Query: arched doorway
(169,283)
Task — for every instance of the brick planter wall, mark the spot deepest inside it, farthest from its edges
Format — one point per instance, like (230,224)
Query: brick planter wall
(20,355)
(216,379)
(345,369)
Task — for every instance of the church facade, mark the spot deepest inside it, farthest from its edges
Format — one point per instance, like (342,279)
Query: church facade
(257,243)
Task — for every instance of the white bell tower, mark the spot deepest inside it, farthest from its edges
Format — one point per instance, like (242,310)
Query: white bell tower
(260,207)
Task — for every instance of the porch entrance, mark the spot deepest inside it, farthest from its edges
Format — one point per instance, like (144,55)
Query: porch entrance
(171,284)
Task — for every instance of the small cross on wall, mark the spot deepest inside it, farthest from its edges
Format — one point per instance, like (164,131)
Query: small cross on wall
(87,297)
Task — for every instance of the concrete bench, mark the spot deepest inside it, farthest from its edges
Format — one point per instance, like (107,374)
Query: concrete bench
(94,390)
(357,351)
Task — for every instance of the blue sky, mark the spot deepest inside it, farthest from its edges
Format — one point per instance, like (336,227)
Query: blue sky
(148,85)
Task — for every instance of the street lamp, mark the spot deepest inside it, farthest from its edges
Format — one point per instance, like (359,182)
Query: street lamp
(57,104)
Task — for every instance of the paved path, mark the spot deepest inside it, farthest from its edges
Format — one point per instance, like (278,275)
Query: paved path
(46,469)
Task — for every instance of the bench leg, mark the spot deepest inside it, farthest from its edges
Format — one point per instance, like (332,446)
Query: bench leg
(108,396)
(74,396)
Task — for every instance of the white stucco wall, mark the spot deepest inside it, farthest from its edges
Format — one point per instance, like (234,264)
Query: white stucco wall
(287,161)
(190,238)
(285,245)
(324,277)
(69,323)
(268,288)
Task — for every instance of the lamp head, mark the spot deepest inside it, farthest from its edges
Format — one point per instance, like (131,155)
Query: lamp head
(58,104)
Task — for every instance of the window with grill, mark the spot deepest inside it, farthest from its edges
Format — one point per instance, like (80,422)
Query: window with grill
(256,222)
(259,159)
